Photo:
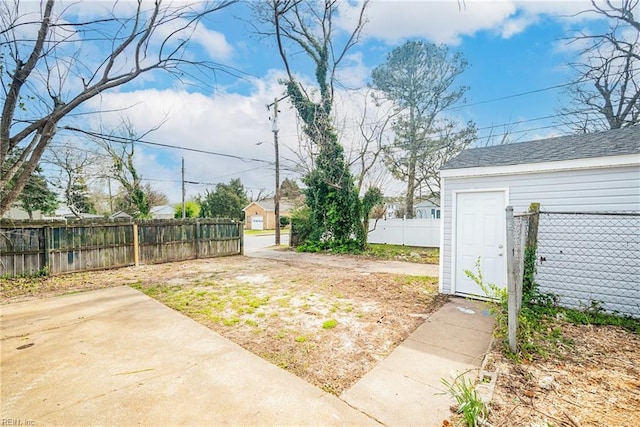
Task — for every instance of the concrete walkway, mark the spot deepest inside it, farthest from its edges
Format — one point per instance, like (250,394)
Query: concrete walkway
(403,390)
(117,357)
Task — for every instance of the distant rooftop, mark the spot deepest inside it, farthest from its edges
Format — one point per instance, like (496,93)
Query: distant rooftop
(600,144)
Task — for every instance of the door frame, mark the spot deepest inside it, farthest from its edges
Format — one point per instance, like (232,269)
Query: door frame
(454,226)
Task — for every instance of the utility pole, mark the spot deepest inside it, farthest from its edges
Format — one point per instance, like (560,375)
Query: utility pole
(184,210)
(276,197)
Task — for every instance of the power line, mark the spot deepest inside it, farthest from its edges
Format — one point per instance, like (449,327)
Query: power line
(122,140)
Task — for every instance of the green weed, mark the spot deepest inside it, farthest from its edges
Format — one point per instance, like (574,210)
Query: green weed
(470,405)
(330,324)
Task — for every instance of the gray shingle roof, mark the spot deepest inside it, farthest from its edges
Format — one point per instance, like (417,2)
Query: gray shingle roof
(600,144)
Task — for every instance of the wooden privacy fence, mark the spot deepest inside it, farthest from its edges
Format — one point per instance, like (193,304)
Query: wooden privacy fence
(28,247)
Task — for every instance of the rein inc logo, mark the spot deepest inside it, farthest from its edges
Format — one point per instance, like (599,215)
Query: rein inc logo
(17,422)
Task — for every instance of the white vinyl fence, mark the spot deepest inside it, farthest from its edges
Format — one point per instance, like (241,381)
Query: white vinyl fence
(409,232)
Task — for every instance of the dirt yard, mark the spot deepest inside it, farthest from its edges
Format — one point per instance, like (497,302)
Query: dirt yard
(594,381)
(331,325)
(326,325)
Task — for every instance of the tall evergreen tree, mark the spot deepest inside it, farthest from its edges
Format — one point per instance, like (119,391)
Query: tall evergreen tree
(419,79)
(227,201)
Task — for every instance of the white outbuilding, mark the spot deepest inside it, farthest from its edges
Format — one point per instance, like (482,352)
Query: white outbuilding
(598,172)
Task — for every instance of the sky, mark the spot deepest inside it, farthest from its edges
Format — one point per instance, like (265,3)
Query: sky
(517,53)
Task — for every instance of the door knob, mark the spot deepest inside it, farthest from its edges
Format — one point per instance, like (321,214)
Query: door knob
(500,254)
(500,246)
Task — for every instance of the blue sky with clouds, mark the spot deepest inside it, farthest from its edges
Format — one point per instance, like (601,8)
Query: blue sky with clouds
(512,47)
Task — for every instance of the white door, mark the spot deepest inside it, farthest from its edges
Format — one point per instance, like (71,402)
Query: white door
(257,223)
(480,233)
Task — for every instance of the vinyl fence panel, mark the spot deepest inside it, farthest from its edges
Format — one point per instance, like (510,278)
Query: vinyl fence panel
(408,232)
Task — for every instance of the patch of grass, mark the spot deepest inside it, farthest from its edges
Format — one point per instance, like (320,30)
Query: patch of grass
(259,232)
(284,302)
(403,253)
(330,324)
(300,339)
(43,272)
(20,285)
(231,321)
(425,283)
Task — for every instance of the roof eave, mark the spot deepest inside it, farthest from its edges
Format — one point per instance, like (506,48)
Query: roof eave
(575,164)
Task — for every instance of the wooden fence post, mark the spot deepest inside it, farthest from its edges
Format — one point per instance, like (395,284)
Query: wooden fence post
(534,220)
(46,236)
(136,245)
(511,282)
(522,249)
(241,231)
(198,237)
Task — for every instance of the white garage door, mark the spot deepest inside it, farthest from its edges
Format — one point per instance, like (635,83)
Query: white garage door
(257,223)
(480,232)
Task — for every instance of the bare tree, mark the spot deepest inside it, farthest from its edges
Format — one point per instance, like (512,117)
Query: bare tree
(606,93)
(74,165)
(46,75)
(373,133)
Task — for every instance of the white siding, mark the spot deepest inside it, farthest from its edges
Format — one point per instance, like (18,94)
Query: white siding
(585,258)
(597,189)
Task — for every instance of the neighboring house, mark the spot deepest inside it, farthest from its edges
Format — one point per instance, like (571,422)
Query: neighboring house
(261,215)
(393,206)
(16,212)
(427,210)
(120,215)
(391,210)
(64,212)
(577,173)
(163,212)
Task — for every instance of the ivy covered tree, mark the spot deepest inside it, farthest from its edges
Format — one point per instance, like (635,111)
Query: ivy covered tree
(119,146)
(290,189)
(335,211)
(227,201)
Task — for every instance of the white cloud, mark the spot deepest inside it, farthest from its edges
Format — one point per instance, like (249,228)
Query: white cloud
(440,22)
(224,123)
(213,42)
(447,21)
(353,73)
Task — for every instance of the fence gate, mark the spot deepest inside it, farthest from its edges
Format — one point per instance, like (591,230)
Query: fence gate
(591,258)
